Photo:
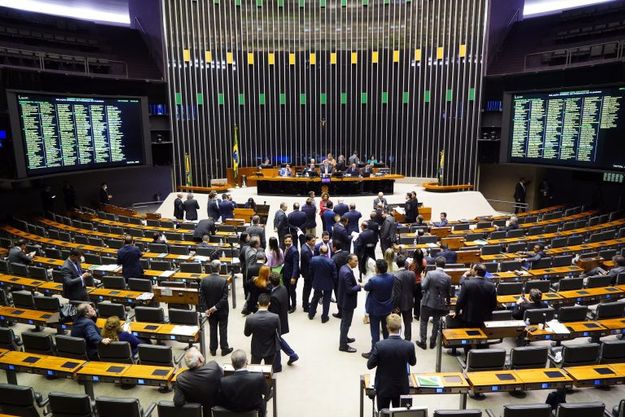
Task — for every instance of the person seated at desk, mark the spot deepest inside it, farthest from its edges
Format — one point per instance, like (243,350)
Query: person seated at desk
(266,163)
(285,171)
(352,171)
(614,272)
(310,171)
(250,204)
(244,390)
(85,328)
(205,243)
(513,224)
(443,222)
(330,160)
(449,255)
(354,159)
(392,358)
(536,301)
(18,255)
(341,163)
(367,171)
(537,255)
(159,237)
(114,332)
(199,383)
(372,160)
(326,169)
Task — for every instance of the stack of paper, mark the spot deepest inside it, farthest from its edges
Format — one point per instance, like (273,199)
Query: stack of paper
(431,381)
(557,327)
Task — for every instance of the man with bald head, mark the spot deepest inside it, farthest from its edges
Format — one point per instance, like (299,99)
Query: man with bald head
(199,383)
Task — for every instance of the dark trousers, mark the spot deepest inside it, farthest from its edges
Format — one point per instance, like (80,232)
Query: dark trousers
(318,295)
(426,313)
(385,244)
(267,359)
(374,325)
(336,297)
(407,318)
(284,347)
(291,289)
(218,320)
(306,293)
(417,295)
(385,402)
(346,322)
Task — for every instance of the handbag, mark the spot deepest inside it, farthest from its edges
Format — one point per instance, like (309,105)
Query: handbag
(67,313)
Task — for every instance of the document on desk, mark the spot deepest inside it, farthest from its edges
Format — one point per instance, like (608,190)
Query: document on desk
(480,242)
(431,245)
(104,268)
(182,330)
(503,324)
(431,381)
(162,255)
(201,258)
(166,274)
(146,296)
(183,257)
(556,327)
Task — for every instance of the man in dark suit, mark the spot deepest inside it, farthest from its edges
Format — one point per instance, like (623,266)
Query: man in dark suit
(326,169)
(297,222)
(352,171)
(85,328)
(520,193)
(75,279)
(379,302)
(281,223)
(477,299)
(364,246)
(244,390)
(264,327)
(323,272)
(255,229)
(279,304)
(105,197)
(436,288)
(199,383)
(290,271)
(392,357)
(388,232)
(411,207)
(129,257)
(325,241)
(341,208)
(205,227)
(339,257)
(536,301)
(340,237)
(214,302)
(18,255)
(449,255)
(403,294)
(352,216)
(226,207)
(178,207)
(212,207)
(380,200)
(308,251)
(191,206)
(539,253)
(311,216)
(327,218)
(347,300)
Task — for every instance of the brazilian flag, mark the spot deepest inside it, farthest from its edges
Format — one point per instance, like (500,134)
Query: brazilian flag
(235,154)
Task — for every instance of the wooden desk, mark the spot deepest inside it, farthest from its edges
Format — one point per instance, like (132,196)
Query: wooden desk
(463,337)
(336,186)
(560,271)
(520,275)
(159,376)
(456,274)
(498,257)
(13,362)
(176,295)
(548,297)
(468,257)
(551,378)
(117,296)
(503,328)
(495,381)
(595,375)
(100,372)
(592,295)
(616,326)
(13,282)
(586,329)
(51,287)
(34,317)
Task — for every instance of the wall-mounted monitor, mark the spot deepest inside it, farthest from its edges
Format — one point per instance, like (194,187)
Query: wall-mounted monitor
(577,128)
(60,133)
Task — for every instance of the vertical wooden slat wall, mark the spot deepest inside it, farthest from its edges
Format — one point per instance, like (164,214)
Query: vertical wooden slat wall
(398,79)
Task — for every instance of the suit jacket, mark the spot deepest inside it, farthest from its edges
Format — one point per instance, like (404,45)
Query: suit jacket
(326,169)
(378,201)
(214,293)
(264,327)
(16,256)
(340,258)
(280,222)
(226,208)
(213,209)
(311,215)
(436,288)
(178,209)
(280,306)
(450,256)
(403,290)
(352,221)
(86,329)
(129,257)
(244,391)
(615,272)
(73,287)
(296,221)
(477,300)
(323,272)
(257,230)
(104,196)
(341,209)
(347,289)
(380,298)
(290,269)
(307,255)
(204,227)
(340,237)
(190,209)
(365,244)
(199,385)
(412,210)
(519,192)
(520,309)
(318,246)
(328,220)
(392,357)
(388,231)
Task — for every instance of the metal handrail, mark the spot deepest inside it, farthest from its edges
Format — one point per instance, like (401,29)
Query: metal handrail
(514,205)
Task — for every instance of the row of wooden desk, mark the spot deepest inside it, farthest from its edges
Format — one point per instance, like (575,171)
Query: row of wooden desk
(506,381)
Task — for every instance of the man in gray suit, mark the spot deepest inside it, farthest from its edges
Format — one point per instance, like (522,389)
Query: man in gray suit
(388,232)
(255,229)
(264,327)
(435,302)
(403,294)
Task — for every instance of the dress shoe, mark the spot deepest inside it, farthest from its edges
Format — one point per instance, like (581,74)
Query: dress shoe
(325,319)
(291,310)
(310,317)
(350,340)
(347,349)
(366,355)
(292,358)
(432,344)
(227,351)
(275,371)
(422,345)
(305,309)
(213,353)
(337,315)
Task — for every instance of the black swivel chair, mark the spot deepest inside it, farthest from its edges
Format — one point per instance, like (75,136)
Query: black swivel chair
(43,303)
(540,284)
(527,410)
(192,267)
(19,269)
(491,249)
(39,343)
(155,355)
(71,347)
(37,272)
(538,315)
(586,354)
(619,409)
(612,351)
(484,360)
(509,266)
(559,242)
(185,317)
(458,413)
(572,313)
(63,404)
(157,247)
(117,407)
(23,299)
(119,352)
(223,412)
(516,247)
(179,250)
(611,310)
(20,401)
(107,309)
(509,288)
(590,409)
(150,314)
(7,339)
(502,315)
(570,284)
(542,263)
(160,265)
(139,284)
(114,282)
(168,409)
(528,357)
(598,281)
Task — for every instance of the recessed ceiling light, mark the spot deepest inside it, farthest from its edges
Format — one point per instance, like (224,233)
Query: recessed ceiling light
(76,12)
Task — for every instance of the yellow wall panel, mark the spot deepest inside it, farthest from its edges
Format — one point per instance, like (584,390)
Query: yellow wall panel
(462,51)
(186,55)
(208,56)
(440,52)
(291,59)
(396,55)
(374,57)
(312,58)
(417,55)
(250,58)
(229,57)
(333,58)
(271,58)
(354,57)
